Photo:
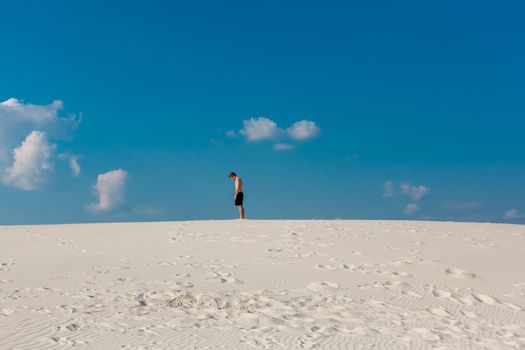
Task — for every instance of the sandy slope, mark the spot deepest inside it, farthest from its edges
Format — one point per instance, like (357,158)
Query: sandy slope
(263,284)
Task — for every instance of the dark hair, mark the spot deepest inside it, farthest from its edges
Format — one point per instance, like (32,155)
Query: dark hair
(232,174)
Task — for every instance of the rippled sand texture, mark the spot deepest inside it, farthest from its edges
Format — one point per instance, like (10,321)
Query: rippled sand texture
(263,285)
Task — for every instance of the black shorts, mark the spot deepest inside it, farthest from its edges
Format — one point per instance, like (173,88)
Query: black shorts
(239,198)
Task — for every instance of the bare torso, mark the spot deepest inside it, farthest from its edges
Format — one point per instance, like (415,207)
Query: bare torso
(238,185)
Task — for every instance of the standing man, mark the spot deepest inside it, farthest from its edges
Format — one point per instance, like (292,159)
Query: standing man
(239,196)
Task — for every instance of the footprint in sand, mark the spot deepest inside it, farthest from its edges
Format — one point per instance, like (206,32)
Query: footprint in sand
(388,285)
(264,342)
(164,263)
(488,300)
(125,279)
(68,341)
(6,264)
(485,299)
(322,286)
(307,255)
(440,312)
(447,294)
(404,262)
(354,268)
(6,312)
(274,250)
(401,274)
(326,267)
(181,275)
(42,310)
(458,273)
(223,277)
(472,298)
(439,293)
(71,327)
(431,261)
(185,257)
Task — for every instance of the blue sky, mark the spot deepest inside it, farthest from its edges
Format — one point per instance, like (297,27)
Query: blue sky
(412,110)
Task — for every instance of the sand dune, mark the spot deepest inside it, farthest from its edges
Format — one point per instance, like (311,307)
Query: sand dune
(263,285)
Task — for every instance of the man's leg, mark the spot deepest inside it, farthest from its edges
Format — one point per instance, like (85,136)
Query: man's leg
(241,211)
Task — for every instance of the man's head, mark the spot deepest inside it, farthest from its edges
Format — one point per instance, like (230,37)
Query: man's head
(232,175)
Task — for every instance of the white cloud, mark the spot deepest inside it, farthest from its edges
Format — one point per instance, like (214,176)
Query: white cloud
(513,214)
(414,192)
(303,130)
(110,191)
(282,147)
(18,119)
(40,114)
(72,161)
(411,208)
(231,133)
(261,128)
(388,187)
(31,163)
(73,164)
(33,125)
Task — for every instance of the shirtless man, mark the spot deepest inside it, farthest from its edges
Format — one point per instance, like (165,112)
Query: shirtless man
(238,196)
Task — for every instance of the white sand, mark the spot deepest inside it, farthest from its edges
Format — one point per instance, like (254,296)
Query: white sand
(263,284)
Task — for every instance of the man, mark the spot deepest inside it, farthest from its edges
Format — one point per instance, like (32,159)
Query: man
(238,197)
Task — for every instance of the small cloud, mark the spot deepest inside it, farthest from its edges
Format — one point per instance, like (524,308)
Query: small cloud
(72,161)
(110,191)
(75,167)
(388,189)
(513,214)
(411,208)
(261,128)
(414,192)
(231,134)
(303,130)
(282,147)
(31,162)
